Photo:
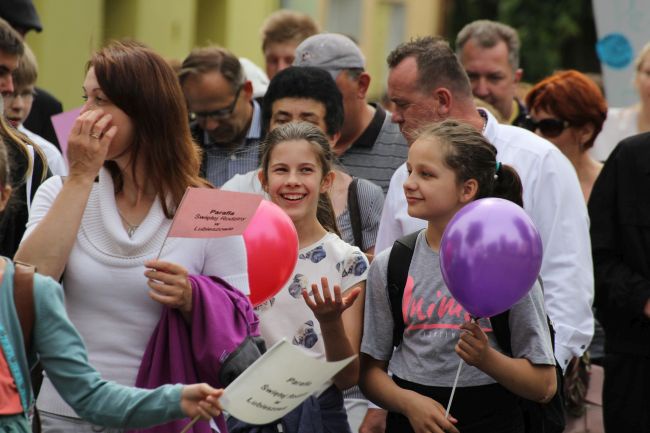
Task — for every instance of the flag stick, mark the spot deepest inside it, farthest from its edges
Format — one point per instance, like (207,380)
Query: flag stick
(189,426)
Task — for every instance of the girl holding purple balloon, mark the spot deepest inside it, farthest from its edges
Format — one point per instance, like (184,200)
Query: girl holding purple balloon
(450,165)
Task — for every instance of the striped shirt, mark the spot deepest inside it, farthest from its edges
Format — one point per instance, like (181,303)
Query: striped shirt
(377,153)
(221,163)
(371,201)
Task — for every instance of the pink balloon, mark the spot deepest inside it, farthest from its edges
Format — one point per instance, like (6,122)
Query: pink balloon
(490,256)
(272,251)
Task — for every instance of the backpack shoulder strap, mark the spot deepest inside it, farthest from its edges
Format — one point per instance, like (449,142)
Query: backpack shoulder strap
(399,262)
(24,299)
(355,212)
(501,328)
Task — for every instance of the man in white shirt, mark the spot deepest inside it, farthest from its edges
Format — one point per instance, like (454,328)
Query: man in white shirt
(428,84)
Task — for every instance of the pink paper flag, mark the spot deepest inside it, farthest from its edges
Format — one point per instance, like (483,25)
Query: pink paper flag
(62,123)
(212,213)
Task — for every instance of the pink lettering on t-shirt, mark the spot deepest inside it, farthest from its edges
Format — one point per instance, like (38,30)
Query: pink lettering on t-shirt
(406,298)
(417,315)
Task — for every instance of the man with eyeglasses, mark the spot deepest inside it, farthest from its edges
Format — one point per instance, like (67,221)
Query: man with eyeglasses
(427,83)
(489,52)
(226,121)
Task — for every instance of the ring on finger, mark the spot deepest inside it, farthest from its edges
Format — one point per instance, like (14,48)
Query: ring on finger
(95,135)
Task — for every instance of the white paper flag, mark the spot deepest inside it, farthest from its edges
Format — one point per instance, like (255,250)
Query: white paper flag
(276,383)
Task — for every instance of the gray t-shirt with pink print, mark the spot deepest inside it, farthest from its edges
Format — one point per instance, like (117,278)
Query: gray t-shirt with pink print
(426,354)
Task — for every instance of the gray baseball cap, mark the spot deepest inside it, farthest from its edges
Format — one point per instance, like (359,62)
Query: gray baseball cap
(332,52)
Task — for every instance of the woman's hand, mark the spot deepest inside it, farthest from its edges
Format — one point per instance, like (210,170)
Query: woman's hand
(428,416)
(325,308)
(169,285)
(473,346)
(88,143)
(201,399)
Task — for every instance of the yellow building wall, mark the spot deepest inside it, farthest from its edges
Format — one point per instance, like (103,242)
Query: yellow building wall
(167,26)
(211,22)
(73,29)
(422,18)
(242,30)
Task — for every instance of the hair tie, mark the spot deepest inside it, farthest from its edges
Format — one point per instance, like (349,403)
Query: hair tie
(498,170)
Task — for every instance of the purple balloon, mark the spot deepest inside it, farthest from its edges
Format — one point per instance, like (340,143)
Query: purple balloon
(490,256)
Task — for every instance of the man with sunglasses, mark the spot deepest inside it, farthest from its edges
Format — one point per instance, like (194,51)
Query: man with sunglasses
(226,121)
(427,83)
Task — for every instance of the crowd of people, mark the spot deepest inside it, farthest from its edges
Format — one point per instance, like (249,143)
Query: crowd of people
(354,177)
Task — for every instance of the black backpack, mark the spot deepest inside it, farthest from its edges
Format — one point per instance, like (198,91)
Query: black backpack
(538,417)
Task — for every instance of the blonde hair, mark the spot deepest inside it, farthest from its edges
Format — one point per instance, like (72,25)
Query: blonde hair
(4,164)
(27,71)
(12,137)
(638,62)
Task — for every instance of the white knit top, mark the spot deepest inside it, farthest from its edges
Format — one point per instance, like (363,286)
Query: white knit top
(106,291)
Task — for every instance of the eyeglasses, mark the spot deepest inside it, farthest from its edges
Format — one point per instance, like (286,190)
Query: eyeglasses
(220,114)
(549,128)
(25,94)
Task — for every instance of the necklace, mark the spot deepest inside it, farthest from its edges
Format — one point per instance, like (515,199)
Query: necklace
(130,228)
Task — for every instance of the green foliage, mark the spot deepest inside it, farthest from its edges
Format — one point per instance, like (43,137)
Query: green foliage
(555,34)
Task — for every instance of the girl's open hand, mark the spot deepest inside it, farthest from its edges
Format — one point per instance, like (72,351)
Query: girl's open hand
(169,285)
(473,346)
(428,416)
(201,399)
(326,308)
(88,143)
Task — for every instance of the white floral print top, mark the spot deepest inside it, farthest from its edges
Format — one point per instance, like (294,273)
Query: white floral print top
(287,316)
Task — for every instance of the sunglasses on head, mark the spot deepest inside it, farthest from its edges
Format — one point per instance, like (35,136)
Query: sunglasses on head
(550,128)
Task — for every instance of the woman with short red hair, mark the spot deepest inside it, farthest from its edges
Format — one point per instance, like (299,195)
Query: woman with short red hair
(569,110)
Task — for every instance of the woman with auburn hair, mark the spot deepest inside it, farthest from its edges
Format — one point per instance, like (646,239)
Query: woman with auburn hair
(623,122)
(568,109)
(131,158)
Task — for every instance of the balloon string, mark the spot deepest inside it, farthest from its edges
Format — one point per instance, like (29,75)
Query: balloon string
(189,426)
(453,389)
